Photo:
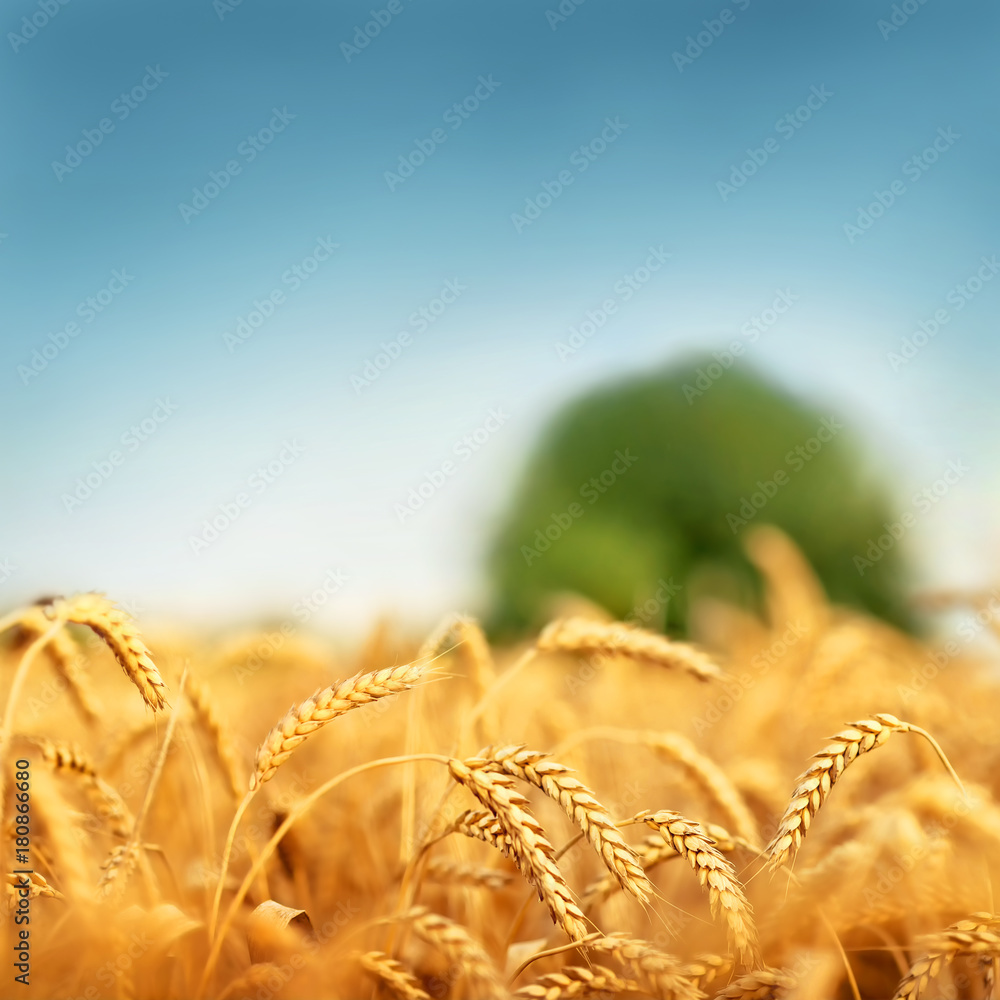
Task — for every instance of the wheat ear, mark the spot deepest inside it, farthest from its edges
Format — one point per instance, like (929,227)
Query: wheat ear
(652,852)
(710,778)
(527,841)
(206,712)
(324,706)
(655,971)
(66,758)
(762,984)
(448,872)
(37,885)
(979,935)
(574,981)
(459,947)
(579,803)
(122,637)
(706,969)
(815,783)
(398,979)
(690,840)
(583,635)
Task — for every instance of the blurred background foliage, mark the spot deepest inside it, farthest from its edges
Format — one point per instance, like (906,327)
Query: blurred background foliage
(645,487)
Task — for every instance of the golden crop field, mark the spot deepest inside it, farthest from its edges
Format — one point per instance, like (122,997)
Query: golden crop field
(599,812)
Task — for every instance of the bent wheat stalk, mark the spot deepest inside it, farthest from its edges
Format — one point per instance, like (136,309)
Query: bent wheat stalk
(816,782)
(762,984)
(701,769)
(206,712)
(725,893)
(579,803)
(656,972)
(122,637)
(577,981)
(584,635)
(68,660)
(301,722)
(979,935)
(324,706)
(66,758)
(398,979)
(459,947)
(446,871)
(527,840)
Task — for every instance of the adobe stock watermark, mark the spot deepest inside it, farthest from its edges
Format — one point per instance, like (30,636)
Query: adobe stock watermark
(7,569)
(88,310)
(130,441)
(47,9)
(639,615)
(463,450)
(735,686)
(562,13)
(365,34)
(249,149)
(455,117)
(959,297)
(901,14)
(302,611)
(592,490)
(258,482)
(697,44)
(913,168)
(121,107)
(796,460)
(293,278)
(921,501)
(785,126)
(420,321)
(752,329)
(624,288)
(581,158)
(971,626)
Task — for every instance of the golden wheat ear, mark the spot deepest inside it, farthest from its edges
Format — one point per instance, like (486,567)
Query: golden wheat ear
(122,637)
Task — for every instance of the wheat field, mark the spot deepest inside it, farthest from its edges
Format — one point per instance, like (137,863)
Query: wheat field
(796,804)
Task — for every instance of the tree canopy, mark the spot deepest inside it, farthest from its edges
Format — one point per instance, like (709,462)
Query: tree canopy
(649,483)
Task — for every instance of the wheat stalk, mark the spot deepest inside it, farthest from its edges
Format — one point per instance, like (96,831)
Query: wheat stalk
(580,804)
(206,712)
(324,706)
(68,758)
(655,971)
(448,872)
(573,981)
(68,663)
(815,783)
(710,778)
(458,946)
(584,635)
(725,893)
(390,972)
(762,984)
(37,885)
(527,840)
(482,824)
(706,969)
(120,635)
(979,935)
(116,870)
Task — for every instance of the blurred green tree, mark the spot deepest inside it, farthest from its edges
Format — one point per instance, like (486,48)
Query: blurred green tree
(645,487)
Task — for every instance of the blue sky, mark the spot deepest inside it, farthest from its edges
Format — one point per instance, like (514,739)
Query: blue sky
(211,87)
